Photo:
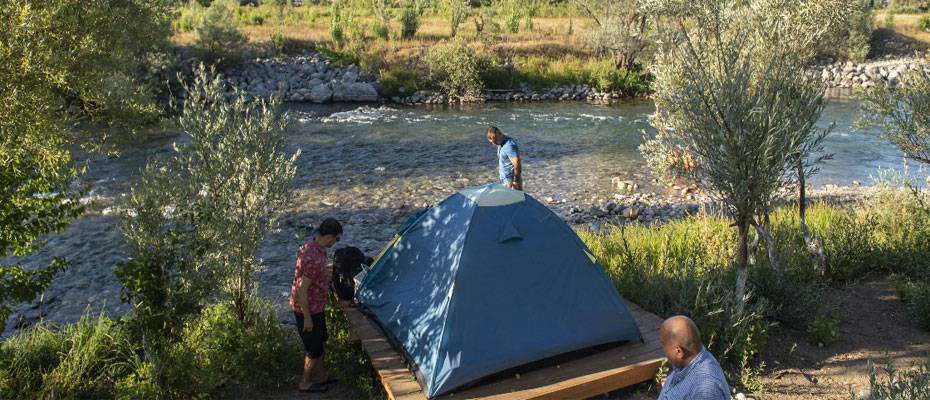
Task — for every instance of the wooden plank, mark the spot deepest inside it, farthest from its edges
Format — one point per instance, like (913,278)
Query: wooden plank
(396,378)
(598,373)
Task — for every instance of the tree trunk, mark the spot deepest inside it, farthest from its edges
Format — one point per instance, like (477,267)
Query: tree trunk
(742,272)
(814,243)
(765,231)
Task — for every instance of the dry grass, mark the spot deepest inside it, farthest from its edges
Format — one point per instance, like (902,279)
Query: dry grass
(552,37)
(906,25)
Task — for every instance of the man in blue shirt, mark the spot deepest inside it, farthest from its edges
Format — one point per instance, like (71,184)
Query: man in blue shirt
(510,168)
(696,374)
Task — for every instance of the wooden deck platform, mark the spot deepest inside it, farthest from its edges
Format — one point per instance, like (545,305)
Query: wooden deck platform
(598,373)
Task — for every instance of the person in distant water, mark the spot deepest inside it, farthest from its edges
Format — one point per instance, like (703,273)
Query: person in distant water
(510,168)
(309,292)
(696,374)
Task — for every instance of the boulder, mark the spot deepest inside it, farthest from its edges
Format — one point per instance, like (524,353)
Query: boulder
(321,93)
(357,91)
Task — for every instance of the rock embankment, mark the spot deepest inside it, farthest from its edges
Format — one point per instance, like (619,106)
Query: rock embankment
(867,74)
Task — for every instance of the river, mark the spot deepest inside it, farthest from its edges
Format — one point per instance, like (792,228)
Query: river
(371,166)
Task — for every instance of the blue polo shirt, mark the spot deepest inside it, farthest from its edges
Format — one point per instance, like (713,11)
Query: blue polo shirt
(702,379)
(507,150)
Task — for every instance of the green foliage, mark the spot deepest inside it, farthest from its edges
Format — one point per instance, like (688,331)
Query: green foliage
(904,113)
(409,22)
(26,357)
(889,20)
(913,384)
(849,35)
(92,55)
(347,359)
(194,221)
(623,30)
(456,68)
(218,36)
(924,23)
(681,268)
(823,330)
(382,31)
(908,6)
(85,360)
(337,26)
(35,165)
(278,44)
(191,15)
(916,295)
(392,80)
(456,11)
(220,353)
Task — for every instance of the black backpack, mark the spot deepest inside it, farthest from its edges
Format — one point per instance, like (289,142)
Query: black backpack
(347,262)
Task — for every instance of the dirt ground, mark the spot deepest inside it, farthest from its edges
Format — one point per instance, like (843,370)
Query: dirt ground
(873,325)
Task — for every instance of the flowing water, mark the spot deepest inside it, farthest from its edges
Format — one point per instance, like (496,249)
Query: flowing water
(371,166)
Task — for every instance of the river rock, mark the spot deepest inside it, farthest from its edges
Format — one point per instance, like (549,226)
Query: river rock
(358,91)
(321,94)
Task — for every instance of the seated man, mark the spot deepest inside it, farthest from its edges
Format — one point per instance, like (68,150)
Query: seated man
(695,372)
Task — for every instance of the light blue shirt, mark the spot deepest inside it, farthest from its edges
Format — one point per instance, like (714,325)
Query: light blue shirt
(702,379)
(505,152)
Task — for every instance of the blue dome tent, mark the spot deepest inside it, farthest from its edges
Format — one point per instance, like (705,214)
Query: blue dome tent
(488,280)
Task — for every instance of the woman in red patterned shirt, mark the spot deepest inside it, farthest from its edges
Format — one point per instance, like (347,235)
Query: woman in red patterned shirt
(309,292)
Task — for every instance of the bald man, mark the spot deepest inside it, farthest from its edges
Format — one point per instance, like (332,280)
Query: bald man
(696,374)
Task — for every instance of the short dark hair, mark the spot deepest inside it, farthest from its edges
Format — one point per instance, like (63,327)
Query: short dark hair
(493,129)
(330,227)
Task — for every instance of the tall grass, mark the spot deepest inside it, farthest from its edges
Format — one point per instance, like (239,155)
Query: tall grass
(685,267)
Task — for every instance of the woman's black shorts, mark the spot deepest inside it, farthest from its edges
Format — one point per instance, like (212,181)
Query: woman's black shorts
(315,339)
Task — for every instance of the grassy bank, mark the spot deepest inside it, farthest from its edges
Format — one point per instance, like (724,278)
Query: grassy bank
(684,267)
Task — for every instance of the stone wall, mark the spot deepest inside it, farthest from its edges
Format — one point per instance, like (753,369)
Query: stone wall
(867,74)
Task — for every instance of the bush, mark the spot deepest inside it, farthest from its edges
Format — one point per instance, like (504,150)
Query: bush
(26,357)
(823,330)
(218,36)
(86,359)
(382,31)
(221,353)
(682,268)
(392,80)
(455,68)
(278,44)
(191,15)
(916,295)
(409,22)
(924,23)
(912,384)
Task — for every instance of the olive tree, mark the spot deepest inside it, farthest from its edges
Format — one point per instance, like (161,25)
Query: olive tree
(904,113)
(621,29)
(736,110)
(195,220)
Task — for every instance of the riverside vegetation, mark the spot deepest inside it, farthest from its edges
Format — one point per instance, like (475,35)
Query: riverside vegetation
(197,328)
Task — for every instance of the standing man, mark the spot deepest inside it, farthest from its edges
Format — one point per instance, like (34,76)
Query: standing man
(309,292)
(510,168)
(696,374)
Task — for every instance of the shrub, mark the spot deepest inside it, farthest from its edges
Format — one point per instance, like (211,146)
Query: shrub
(191,15)
(924,23)
(26,357)
(218,37)
(681,268)
(823,330)
(916,295)
(911,384)
(86,359)
(278,44)
(455,67)
(409,22)
(221,353)
(392,80)
(382,31)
